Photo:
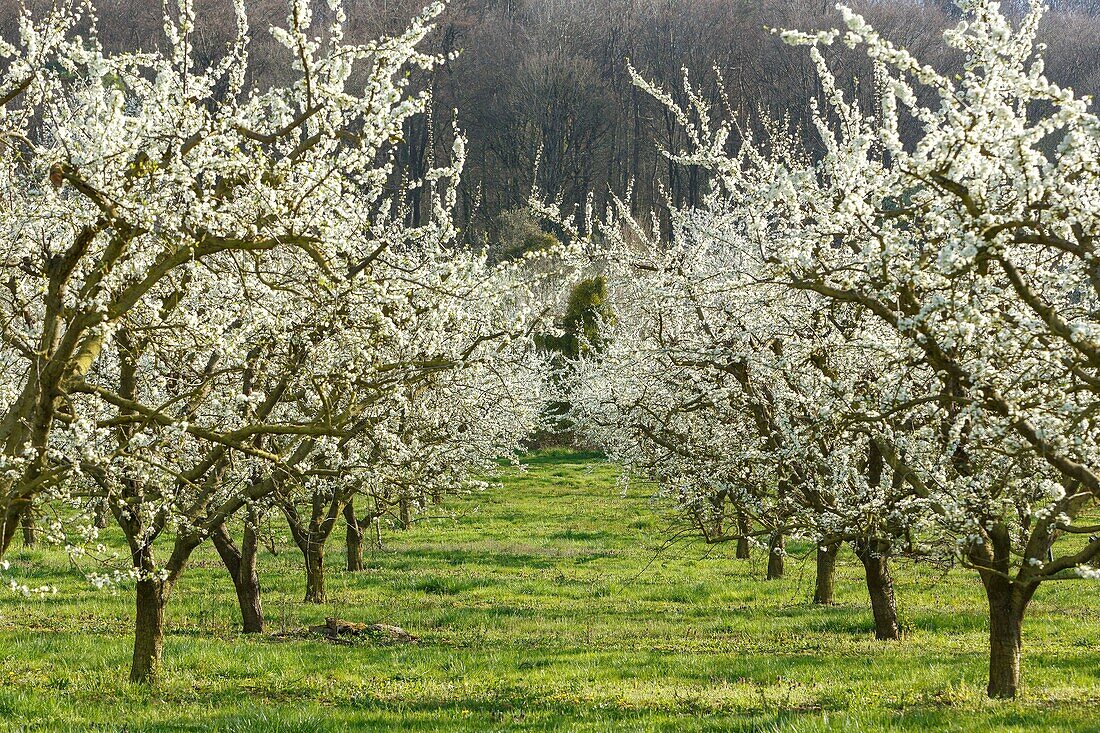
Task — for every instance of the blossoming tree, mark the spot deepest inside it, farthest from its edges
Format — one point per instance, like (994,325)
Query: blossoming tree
(453,384)
(960,216)
(737,395)
(215,297)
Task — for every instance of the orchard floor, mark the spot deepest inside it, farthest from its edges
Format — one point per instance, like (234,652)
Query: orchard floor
(545,605)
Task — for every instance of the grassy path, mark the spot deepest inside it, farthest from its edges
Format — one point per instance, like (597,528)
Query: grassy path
(543,606)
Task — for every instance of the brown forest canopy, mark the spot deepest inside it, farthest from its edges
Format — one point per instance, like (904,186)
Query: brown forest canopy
(551,76)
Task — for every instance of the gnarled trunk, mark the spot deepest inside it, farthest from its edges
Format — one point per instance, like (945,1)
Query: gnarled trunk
(875,556)
(354,539)
(826,571)
(776,552)
(241,564)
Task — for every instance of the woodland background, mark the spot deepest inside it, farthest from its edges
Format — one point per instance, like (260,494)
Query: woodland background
(543,92)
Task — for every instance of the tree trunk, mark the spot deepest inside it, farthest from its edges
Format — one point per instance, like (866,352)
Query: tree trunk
(9,527)
(376,524)
(241,565)
(148,630)
(248,592)
(743,529)
(1004,652)
(100,515)
(312,537)
(354,539)
(1007,605)
(775,555)
(717,515)
(315,572)
(826,570)
(875,556)
(404,514)
(30,529)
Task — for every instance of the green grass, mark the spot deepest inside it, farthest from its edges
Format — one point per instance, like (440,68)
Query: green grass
(545,606)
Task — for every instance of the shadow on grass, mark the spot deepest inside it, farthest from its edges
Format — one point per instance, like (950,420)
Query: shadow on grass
(528,714)
(574,535)
(555,456)
(529,557)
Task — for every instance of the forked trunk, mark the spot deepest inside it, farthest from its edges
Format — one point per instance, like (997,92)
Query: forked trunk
(776,546)
(241,565)
(151,596)
(826,572)
(311,538)
(875,556)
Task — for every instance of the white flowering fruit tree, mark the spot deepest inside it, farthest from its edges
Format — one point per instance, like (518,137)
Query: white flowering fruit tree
(730,391)
(213,303)
(936,269)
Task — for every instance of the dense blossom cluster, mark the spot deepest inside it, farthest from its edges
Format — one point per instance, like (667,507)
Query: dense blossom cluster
(215,307)
(907,331)
(214,301)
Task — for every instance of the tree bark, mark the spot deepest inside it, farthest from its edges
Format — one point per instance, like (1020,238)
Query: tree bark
(1008,603)
(151,596)
(1005,643)
(376,525)
(315,573)
(29,525)
(10,525)
(776,546)
(241,564)
(743,529)
(100,514)
(311,539)
(148,630)
(354,539)
(404,515)
(826,571)
(875,556)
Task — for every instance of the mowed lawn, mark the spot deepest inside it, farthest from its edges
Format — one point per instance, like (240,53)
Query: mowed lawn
(547,604)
